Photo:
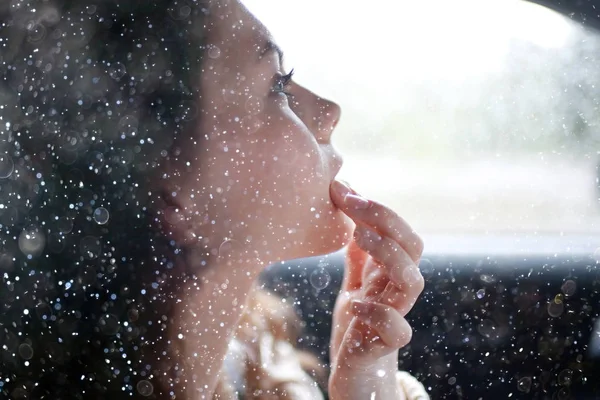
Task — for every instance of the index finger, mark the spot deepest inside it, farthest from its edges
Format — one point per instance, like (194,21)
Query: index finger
(381,218)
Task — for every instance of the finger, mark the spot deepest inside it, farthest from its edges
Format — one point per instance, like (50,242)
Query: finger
(361,346)
(362,343)
(342,318)
(355,261)
(378,216)
(396,298)
(385,221)
(395,264)
(390,326)
(396,261)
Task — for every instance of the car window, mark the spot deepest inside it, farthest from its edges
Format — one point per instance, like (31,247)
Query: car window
(466,116)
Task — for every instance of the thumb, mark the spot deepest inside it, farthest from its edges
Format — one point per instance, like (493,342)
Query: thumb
(356,259)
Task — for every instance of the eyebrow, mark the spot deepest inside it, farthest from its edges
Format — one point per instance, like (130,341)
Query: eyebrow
(270,46)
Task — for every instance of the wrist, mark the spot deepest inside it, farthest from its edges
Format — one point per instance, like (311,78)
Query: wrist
(350,384)
(359,387)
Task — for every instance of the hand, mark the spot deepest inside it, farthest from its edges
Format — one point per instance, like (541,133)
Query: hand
(381,284)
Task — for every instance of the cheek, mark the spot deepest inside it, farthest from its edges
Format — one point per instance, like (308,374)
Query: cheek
(298,159)
(309,190)
(285,156)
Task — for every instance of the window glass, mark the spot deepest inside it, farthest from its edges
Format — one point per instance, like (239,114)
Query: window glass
(467,116)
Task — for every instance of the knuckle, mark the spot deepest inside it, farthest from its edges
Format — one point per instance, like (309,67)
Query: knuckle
(415,287)
(382,312)
(399,341)
(371,291)
(419,244)
(394,247)
(403,338)
(398,333)
(392,254)
(386,311)
(391,250)
(420,283)
(391,214)
(386,216)
(375,209)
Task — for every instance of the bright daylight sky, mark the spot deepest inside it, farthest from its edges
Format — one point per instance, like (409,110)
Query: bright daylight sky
(360,41)
(363,54)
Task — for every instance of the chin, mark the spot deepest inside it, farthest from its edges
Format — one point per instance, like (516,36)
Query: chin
(320,236)
(332,236)
(344,233)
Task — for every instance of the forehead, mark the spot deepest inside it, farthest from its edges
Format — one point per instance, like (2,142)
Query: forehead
(235,30)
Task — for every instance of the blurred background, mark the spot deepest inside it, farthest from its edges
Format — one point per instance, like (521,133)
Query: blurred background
(465,116)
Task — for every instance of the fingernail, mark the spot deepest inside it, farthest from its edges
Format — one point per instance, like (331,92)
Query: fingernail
(361,308)
(411,274)
(356,202)
(340,188)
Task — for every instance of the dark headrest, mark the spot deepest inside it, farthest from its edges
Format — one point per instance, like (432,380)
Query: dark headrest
(585,12)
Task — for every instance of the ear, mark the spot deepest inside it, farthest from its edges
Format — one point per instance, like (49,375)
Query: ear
(356,259)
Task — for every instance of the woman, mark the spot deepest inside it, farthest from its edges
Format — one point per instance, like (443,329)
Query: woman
(155,158)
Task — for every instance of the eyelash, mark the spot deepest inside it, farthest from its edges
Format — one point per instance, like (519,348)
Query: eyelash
(282,83)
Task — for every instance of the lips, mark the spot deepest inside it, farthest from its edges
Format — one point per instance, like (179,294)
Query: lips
(332,162)
(336,162)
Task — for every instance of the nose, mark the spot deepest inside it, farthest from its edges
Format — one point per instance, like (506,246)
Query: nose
(327,119)
(319,114)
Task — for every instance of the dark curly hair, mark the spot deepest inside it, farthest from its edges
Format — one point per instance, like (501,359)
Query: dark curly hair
(93,94)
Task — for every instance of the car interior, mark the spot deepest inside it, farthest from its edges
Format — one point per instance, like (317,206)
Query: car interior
(512,316)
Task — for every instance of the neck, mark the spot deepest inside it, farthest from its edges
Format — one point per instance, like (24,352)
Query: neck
(211,298)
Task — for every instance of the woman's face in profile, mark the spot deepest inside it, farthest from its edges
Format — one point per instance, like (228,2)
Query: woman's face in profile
(261,150)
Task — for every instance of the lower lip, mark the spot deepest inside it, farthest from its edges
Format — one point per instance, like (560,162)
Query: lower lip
(337,170)
(339,162)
